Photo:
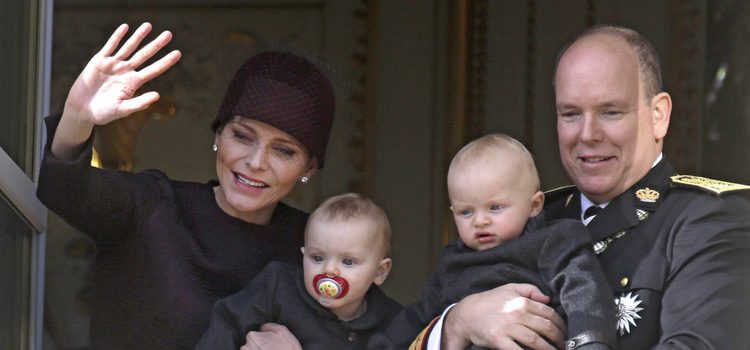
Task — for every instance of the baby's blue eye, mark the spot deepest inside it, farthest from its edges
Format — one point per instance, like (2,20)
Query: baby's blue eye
(496,207)
(465,212)
(347,261)
(317,258)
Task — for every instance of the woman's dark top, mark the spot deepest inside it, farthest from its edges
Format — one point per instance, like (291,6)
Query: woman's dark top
(165,250)
(278,295)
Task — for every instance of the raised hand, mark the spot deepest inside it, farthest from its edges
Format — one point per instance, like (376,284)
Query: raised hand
(106,88)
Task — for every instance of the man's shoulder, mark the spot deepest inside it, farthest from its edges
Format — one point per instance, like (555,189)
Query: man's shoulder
(707,185)
(562,194)
(692,195)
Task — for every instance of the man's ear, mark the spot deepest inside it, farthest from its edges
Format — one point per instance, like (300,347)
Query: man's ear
(537,203)
(384,268)
(661,110)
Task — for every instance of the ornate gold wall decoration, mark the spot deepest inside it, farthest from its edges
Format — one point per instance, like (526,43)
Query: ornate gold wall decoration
(361,142)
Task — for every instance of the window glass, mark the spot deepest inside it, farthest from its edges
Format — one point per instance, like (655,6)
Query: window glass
(15,264)
(16,63)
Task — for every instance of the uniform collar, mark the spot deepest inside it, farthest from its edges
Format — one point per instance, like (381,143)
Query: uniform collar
(586,203)
(635,204)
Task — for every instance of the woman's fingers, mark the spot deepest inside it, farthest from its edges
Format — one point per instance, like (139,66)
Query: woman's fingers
(106,88)
(143,101)
(137,103)
(114,40)
(157,68)
(120,59)
(131,79)
(150,49)
(133,42)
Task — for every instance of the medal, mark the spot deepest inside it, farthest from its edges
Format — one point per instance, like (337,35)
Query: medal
(601,246)
(627,312)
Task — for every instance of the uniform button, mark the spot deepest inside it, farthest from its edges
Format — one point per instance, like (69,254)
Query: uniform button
(352,337)
(624,282)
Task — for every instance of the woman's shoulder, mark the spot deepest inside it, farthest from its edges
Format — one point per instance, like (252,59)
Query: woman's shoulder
(281,268)
(277,273)
(290,210)
(287,213)
(180,185)
(170,189)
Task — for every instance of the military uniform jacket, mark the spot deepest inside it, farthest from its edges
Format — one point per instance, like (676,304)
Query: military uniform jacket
(680,269)
(278,295)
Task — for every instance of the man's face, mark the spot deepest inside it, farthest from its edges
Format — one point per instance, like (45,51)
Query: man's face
(609,133)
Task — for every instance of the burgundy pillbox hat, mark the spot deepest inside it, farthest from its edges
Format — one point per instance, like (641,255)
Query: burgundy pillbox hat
(285,91)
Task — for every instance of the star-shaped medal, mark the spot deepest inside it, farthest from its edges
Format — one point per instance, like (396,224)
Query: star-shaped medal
(627,312)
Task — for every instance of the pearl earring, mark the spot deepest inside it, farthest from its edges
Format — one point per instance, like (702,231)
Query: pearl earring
(304,179)
(215,147)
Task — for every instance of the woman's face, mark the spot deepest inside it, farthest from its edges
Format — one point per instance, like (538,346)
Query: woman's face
(257,165)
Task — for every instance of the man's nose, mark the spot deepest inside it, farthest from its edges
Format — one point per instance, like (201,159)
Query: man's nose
(591,129)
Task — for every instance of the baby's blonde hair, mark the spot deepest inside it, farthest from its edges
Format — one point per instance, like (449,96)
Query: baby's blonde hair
(493,148)
(349,206)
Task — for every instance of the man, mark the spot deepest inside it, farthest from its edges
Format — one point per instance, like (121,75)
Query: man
(675,249)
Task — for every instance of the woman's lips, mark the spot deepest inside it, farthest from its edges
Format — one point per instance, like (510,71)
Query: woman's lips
(242,180)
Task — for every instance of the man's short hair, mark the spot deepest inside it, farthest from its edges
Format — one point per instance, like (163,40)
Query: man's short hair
(491,148)
(648,59)
(353,206)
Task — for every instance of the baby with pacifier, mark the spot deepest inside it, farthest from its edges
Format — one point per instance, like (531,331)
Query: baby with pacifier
(333,301)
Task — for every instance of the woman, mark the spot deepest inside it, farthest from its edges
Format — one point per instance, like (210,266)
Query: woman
(166,250)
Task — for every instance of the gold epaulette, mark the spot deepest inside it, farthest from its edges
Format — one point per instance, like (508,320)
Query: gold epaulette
(716,187)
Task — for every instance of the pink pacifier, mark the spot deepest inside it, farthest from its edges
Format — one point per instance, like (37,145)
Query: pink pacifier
(330,287)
